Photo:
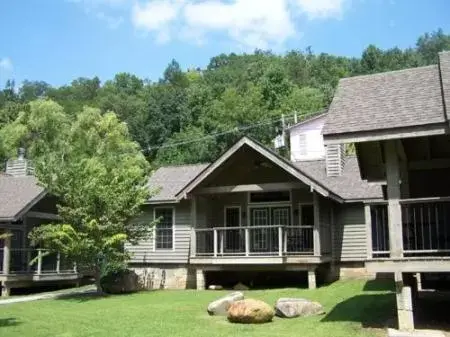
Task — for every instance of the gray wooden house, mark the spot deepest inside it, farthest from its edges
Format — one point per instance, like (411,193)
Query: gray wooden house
(253,210)
(23,205)
(399,122)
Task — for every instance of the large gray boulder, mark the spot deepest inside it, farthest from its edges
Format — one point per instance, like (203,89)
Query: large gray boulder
(221,306)
(297,307)
(250,311)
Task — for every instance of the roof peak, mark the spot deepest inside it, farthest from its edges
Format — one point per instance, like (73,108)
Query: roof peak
(435,66)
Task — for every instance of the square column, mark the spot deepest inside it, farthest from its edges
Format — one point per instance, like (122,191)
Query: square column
(404,304)
(200,279)
(312,279)
(6,252)
(5,289)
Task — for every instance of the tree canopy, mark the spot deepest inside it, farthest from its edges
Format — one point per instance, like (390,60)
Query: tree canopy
(230,97)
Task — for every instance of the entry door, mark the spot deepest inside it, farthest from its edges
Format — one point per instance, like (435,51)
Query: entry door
(259,236)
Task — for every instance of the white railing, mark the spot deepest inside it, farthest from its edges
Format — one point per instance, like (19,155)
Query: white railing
(254,241)
(34,261)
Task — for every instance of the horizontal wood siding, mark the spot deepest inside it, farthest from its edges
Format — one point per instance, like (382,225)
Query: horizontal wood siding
(325,225)
(144,252)
(350,238)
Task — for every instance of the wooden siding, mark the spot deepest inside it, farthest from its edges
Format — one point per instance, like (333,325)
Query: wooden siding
(144,252)
(334,160)
(350,238)
(19,167)
(325,225)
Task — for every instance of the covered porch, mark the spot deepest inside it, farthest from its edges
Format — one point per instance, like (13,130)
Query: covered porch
(252,207)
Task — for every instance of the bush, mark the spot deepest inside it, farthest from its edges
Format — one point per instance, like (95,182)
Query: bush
(119,282)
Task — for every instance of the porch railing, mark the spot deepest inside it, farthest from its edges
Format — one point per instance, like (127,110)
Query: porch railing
(425,228)
(254,241)
(35,261)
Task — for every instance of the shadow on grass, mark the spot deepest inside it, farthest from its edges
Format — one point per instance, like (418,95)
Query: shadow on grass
(380,284)
(372,311)
(10,321)
(88,296)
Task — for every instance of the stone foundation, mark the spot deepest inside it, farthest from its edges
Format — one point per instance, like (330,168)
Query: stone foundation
(354,271)
(164,277)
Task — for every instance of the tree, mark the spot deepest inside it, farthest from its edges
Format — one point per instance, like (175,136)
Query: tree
(98,174)
(430,44)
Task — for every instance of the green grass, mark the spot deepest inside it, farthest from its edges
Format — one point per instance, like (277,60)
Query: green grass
(353,308)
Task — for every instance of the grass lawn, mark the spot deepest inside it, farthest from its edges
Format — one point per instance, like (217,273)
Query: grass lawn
(350,306)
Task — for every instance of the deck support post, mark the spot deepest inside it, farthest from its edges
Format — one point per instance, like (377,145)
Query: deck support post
(6,290)
(368,218)
(39,262)
(312,279)
(7,252)
(316,229)
(58,263)
(393,194)
(404,304)
(193,249)
(200,279)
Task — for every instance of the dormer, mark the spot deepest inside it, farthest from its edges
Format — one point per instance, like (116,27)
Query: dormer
(306,140)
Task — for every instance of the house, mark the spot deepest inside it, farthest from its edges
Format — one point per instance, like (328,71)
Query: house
(23,205)
(399,123)
(252,210)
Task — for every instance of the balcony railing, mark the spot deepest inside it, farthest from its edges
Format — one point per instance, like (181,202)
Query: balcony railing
(254,241)
(425,228)
(35,261)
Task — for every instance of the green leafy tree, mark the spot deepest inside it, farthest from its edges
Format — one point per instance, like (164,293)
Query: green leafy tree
(98,174)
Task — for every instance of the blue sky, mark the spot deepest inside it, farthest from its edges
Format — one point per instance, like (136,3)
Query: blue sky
(59,40)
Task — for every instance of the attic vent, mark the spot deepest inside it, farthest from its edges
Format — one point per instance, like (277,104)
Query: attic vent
(19,167)
(335,160)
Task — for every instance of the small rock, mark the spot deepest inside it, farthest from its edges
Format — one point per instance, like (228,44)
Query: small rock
(220,306)
(297,307)
(240,286)
(215,287)
(250,311)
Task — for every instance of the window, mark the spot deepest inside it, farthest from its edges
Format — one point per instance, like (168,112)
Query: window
(164,228)
(302,144)
(307,215)
(278,196)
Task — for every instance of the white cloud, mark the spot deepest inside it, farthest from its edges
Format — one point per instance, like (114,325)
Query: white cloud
(104,10)
(321,8)
(157,16)
(251,23)
(6,64)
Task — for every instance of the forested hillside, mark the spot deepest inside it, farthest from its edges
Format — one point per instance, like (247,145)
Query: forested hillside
(191,116)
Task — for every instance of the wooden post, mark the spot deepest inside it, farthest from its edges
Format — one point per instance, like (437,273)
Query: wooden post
(39,262)
(193,249)
(280,241)
(247,242)
(7,252)
(368,218)
(221,242)
(393,194)
(75,269)
(316,229)
(28,260)
(215,242)
(58,263)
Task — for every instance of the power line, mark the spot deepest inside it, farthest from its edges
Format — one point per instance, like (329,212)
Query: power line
(234,130)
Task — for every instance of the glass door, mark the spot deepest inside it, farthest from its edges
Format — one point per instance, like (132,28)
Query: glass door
(259,236)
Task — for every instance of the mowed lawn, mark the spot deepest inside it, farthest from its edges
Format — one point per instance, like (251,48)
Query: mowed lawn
(354,308)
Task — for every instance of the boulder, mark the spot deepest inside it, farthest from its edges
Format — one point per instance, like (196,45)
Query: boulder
(297,307)
(250,311)
(220,306)
(215,287)
(240,286)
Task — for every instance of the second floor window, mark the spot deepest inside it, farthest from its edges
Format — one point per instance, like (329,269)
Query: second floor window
(164,228)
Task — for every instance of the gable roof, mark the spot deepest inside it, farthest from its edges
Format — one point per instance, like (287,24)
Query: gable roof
(349,185)
(167,181)
(269,154)
(311,118)
(393,100)
(18,195)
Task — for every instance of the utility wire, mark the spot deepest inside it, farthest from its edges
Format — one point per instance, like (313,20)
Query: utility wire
(234,130)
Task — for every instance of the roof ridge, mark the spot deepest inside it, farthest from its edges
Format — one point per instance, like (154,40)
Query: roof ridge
(389,72)
(182,165)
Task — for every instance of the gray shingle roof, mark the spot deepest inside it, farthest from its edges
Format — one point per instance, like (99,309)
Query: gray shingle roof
(349,186)
(444,66)
(168,181)
(16,193)
(409,97)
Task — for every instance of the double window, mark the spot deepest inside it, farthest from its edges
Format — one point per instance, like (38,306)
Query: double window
(165,228)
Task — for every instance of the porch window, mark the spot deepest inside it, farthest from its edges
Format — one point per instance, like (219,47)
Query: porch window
(277,196)
(164,228)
